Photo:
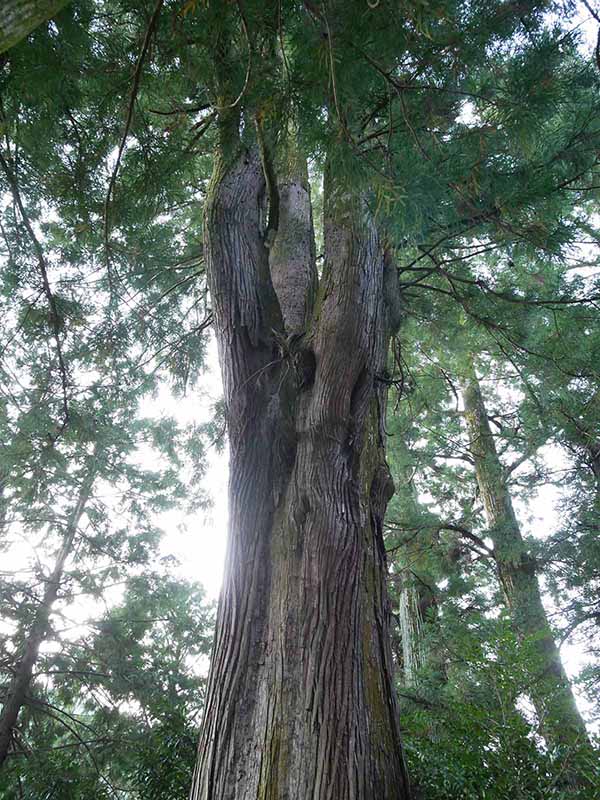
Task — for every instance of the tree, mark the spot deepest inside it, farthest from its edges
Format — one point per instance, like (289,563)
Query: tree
(439,130)
(308,491)
(115,712)
(409,539)
(551,693)
(17,690)
(488,669)
(308,487)
(72,428)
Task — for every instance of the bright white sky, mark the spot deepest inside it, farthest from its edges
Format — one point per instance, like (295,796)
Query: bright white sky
(198,541)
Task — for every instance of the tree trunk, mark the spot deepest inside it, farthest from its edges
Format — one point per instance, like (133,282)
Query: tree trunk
(19,17)
(592,450)
(3,503)
(417,600)
(19,686)
(300,702)
(411,633)
(551,693)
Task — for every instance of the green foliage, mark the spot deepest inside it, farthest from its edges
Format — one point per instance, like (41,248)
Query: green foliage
(115,711)
(471,737)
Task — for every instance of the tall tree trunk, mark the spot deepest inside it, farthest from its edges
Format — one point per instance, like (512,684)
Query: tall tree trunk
(411,632)
(19,17)
(17,690)
(416,599)
(300,700)
(550,691)
(593,451)
(3,503)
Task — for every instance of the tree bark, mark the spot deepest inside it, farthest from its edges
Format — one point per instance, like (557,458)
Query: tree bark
(292,257)
(19,17)
(593,452)
(551,693)
(416,600)
(16,694)
(411,633)
(300,700)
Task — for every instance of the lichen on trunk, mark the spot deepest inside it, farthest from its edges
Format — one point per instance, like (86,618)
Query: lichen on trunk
(18,18)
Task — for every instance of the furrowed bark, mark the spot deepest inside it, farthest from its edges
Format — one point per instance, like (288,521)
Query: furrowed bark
(300,701)
(246,313)
(19,17)
(335,678)
(292,257)
(551,693)
(16,694)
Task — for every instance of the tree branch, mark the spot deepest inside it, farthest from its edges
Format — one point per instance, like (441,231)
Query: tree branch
(18,18)
(43,268)
(128,119)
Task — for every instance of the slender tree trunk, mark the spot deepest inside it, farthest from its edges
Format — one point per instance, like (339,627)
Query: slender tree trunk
(3,503)
(416,598)
(592,447)
(19,686)
(550,691)
(300,701)
(19,17)
(411,633)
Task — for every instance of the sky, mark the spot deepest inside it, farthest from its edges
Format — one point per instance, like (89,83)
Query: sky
(198,541)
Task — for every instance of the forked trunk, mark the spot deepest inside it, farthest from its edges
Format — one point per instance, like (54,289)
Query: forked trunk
(300,703)
(550,692)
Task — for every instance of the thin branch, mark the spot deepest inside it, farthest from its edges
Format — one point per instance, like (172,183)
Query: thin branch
(450,526)
(43,267)
(594,14)
(128,119)
(183,110)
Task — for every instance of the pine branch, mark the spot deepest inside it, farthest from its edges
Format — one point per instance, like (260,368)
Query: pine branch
(43,268)
(468,534)
(128,120)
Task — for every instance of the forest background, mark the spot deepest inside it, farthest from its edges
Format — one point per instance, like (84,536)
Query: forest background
(107,143)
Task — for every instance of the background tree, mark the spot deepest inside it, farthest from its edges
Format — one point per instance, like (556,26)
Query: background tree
(79,357)
(433,367)
(114,710)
